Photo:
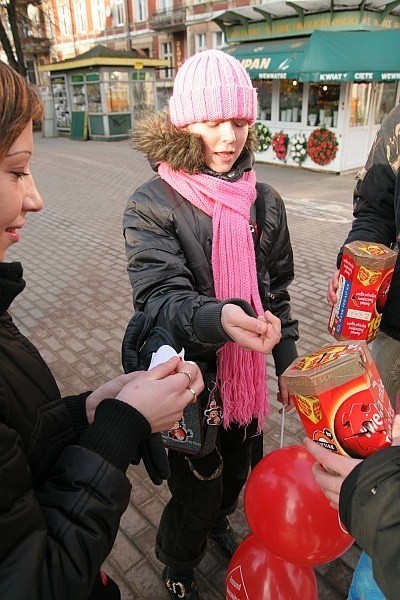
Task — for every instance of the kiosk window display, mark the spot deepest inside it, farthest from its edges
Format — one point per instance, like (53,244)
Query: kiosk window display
(116,91)
(323,105)
(360,104)
(61,104)
(290,101)
(142,92)
(385,101)
(264,98)
(78,93)
(93,93)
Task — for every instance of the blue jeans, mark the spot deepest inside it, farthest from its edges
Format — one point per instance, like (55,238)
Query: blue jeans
(363,585)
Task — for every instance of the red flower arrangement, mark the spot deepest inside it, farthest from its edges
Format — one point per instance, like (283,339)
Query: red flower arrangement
(322,146)
(280,142)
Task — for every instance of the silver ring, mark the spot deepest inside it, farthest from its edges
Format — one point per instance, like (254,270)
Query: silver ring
(194,399)
(187,375)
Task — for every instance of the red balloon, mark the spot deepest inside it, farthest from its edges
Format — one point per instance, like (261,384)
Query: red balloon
(287,511)
(256,574)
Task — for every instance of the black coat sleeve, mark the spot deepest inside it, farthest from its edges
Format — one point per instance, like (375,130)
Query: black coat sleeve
(370,511)
(275,260)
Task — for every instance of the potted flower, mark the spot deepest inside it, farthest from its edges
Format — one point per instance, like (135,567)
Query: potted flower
(280,143)
(263,136)
(322,146)
(298,147)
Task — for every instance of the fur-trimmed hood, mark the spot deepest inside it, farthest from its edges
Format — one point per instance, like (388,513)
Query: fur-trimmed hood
(160,141)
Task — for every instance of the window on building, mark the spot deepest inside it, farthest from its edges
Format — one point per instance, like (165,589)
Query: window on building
(141,10)
(34,26)
(119,17)
(218,39)
(323,104)
(64,19)
(290,100)
(385,100)
(31,71)
(80,16)
(264,95)
(199,42)
(98,14)
(164,5)
(360,104)
(167,54)
(49,22)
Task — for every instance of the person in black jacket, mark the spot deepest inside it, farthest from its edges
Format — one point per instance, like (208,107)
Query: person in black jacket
(63,461)
(210,260)
(377,219)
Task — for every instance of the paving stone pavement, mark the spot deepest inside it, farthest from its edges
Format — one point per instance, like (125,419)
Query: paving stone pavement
(78,302)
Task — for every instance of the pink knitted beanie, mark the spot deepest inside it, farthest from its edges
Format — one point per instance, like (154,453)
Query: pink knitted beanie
(209,86)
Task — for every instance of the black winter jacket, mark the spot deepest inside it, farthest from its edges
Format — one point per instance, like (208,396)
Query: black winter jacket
(370,510)
(168,245)
(369,499)
(377,208)
(63,486)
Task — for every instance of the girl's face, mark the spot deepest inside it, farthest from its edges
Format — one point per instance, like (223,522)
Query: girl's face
(18,192)
(223,142)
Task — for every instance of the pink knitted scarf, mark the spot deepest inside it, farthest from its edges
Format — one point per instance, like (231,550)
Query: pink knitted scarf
(241,375)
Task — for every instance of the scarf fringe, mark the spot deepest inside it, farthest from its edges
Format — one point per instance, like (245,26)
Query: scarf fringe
(244,397)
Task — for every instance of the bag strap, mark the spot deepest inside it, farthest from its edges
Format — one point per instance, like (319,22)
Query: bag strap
(260,216)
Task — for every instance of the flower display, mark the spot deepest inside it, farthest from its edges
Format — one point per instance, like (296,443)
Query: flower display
(322,146)
(263,135)
(298,147)
(280,143)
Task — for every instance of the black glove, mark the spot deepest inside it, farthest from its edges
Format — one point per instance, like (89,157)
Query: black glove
(141,339)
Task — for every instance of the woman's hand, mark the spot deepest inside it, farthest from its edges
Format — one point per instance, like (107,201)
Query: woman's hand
(107,390)
(162,393)
(250,333)
(333,285)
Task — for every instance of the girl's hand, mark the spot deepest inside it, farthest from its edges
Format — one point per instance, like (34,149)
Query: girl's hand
(283,396)
(250,333)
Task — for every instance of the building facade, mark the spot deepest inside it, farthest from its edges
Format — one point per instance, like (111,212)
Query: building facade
(276,40)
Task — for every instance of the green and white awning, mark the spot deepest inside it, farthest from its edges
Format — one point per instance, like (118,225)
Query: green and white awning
(325,56)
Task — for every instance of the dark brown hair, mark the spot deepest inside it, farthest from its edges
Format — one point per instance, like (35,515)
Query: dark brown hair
(19,104)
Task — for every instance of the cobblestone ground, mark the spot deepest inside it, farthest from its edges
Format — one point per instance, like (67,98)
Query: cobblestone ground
(79,301)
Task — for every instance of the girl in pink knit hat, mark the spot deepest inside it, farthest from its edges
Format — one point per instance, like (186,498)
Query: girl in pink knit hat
(210,260)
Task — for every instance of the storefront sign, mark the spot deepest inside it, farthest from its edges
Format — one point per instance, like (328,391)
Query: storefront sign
(338,77)
(390,76)
(256,63)
(293,26)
